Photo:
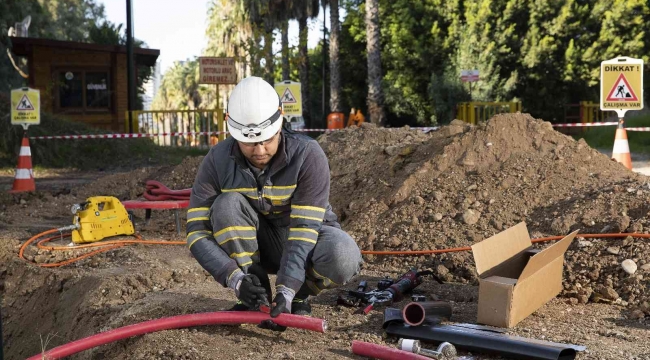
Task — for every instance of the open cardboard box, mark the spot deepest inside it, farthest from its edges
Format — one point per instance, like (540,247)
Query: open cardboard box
(515,279)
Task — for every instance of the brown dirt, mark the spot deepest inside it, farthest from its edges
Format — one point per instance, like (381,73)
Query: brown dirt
(395,189)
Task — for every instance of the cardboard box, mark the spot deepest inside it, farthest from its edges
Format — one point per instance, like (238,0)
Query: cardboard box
(515,279)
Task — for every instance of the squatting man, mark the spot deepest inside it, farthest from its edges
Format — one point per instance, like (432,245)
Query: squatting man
(260,205)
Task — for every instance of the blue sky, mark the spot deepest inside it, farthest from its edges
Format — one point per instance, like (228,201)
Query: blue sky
(177,28)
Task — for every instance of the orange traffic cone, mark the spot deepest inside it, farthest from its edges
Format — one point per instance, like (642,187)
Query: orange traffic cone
(621,152)
(24,179)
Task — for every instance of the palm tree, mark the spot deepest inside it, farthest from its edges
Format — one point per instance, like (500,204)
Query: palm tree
(229,32)
(335,74)
(375,99)
(304,10)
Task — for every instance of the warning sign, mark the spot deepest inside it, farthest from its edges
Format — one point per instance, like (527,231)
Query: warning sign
(289,93)
(288,97)
(25,106)
(621,85)
(215,70)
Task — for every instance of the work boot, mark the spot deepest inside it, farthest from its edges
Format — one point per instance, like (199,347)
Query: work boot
(300,306)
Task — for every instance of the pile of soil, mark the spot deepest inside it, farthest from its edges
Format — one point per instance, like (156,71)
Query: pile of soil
(400,189)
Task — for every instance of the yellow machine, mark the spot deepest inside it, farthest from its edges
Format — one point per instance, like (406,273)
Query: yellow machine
(100,217)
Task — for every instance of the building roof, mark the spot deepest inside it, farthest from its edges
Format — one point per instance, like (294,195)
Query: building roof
(22,46)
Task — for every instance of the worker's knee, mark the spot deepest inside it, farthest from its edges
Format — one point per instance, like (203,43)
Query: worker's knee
(229,201)
(231,209)
(336,256)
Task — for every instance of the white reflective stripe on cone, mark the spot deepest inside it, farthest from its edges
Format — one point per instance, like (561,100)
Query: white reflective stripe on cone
(25,151)
(23,174)
(621,147)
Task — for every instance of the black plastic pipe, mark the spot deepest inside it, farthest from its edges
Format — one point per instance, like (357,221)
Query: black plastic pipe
(486,342)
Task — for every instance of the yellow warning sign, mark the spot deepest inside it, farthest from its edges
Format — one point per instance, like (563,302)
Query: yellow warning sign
(289,93)
(621,84)
(25,106)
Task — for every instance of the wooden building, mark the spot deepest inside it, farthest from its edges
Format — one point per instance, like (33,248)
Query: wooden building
(80,81)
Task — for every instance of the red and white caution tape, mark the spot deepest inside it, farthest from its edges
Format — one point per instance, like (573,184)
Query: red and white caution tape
(123,136)
(587,124)
(145,135)
(638,129)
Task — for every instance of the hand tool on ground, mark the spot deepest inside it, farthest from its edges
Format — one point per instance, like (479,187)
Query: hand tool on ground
(99,217)
(445,350)
(348,300)
(395,292)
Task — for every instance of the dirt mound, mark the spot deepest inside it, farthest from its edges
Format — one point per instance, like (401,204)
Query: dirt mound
(399,189)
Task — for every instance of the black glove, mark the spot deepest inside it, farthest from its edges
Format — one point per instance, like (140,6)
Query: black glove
(278,307)
(251,292)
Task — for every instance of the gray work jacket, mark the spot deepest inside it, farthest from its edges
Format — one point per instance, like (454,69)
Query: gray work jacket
(295,194)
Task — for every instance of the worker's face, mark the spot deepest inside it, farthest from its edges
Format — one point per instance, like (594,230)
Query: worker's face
(260,154)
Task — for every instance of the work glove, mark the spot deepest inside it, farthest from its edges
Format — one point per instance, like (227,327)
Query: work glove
(251,292)
(281,304)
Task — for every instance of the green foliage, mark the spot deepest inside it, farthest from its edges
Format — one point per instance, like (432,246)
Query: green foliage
(180,89)
(544,53)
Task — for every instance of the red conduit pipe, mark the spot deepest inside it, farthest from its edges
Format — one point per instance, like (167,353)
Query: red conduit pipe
(375,351)
(181,321)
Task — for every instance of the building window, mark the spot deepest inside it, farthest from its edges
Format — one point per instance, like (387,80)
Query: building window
(81,90)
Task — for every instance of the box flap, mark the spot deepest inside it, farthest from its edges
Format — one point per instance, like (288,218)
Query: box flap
(547,255)
(500,247)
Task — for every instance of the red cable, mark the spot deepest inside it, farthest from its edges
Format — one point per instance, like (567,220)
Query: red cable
(181,321)
(383,352)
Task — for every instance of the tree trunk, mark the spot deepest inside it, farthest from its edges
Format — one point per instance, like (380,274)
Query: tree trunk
(375,99)
(303,69)
(335,75)
(269,71)
(286,69)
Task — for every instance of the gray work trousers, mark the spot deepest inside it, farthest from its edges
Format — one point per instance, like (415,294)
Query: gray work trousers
(335,259)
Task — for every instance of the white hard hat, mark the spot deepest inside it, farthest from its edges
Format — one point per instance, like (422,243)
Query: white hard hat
(254,111)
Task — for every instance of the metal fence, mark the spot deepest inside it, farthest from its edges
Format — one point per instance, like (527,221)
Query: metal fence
(475,112)
(188,128)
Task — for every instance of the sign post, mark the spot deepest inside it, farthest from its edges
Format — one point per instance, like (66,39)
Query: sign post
(291,99)
(469,76)
(25,107)
(218,70)
(621,89)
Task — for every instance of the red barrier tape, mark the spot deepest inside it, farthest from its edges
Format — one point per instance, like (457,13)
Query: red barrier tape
(196,133)
(586,124)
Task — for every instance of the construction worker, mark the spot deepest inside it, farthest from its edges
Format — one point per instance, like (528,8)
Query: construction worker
(260,205)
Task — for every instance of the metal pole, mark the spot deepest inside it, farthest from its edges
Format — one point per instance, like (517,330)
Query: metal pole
(130,74)
(324,59)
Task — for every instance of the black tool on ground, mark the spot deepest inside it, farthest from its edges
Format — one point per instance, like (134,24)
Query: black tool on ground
(390,293)
(418,298)
(348,300)
(384,284)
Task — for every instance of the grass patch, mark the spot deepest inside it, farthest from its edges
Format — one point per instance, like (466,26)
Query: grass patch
(603,137)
